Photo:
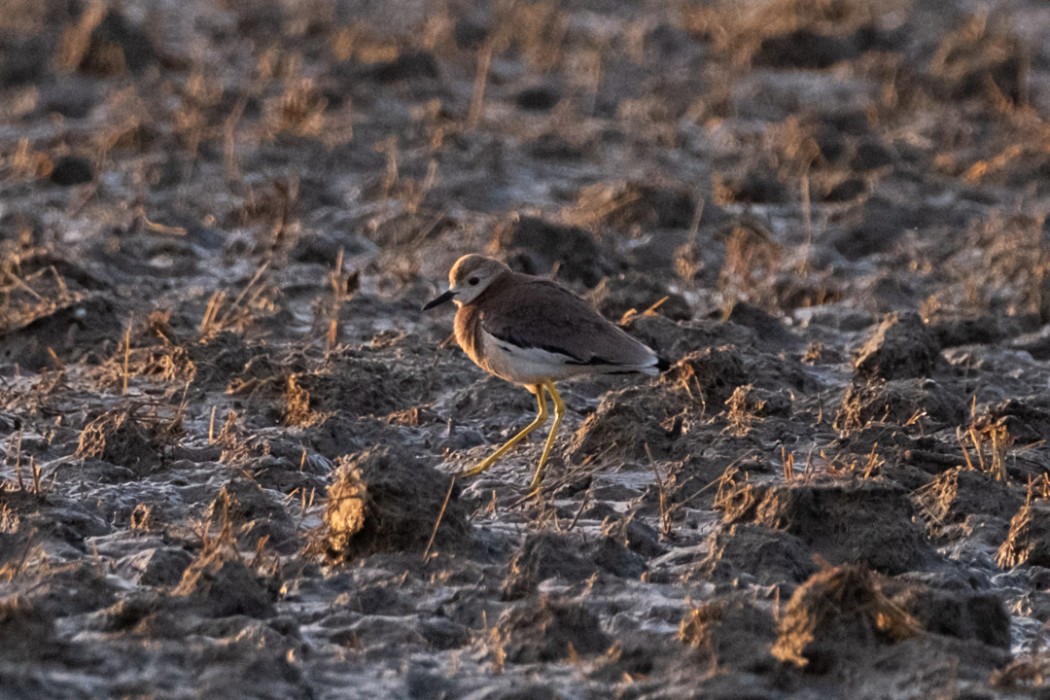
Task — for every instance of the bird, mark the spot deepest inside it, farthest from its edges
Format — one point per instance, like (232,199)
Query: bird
(531,331)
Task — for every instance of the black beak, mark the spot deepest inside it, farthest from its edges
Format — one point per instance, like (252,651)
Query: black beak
(447,296)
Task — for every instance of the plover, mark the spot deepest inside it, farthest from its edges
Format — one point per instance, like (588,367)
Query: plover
(532,331)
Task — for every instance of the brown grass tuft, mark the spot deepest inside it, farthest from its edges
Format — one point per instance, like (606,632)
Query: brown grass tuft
(299,110)
(747,274)
(1025,672)
(1029,539)
(737,496)
(835,609)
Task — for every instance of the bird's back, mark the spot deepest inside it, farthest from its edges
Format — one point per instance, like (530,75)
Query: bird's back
(524,326)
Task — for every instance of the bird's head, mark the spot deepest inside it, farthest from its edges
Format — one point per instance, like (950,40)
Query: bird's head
(468,278)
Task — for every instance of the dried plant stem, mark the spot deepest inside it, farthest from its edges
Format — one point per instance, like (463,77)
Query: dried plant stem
(481,78)
(787,463)
(127,357)
(441,515)
(807,224)
(18,462)
(338,281)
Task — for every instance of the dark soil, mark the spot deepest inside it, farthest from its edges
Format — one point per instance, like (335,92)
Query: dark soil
(228,434)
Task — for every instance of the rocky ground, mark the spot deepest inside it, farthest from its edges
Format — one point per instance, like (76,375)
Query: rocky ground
(227,432)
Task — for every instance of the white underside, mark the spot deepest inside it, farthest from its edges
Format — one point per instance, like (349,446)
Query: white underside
(535,365)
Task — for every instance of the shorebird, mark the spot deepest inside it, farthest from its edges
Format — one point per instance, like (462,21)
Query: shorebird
(532,331)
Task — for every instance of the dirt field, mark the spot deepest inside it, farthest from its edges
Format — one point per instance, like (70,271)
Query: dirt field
(227,431)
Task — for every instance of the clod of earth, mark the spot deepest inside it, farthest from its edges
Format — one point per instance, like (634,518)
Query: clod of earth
(731,632)
(769,556)
(631,423)
(866,521)
(219,584)
(959,494)
(709,376)
(901,347)
(544,556)
(551,630)
(900,402)
(834,616)
(385,500)
(566,558)
(633,290)
(541,243)
(956,613)
(633,206)
(123,438)
(27,629)
(747,403)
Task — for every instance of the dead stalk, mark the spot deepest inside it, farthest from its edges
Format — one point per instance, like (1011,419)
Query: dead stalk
(37,476)
(440,517)
(477,100)
(807,223)
(787,462)
(873,463)
(213,322)
(579,511)
(664,502)
(694,226)
(229,132)
(338,280)
(18,462)
(975,439)
(127,357)
(962,446)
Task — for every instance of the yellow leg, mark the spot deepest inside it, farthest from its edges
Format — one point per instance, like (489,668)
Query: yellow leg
(559,412)
(540,419)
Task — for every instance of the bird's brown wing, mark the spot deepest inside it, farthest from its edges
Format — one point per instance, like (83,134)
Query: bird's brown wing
(537,313)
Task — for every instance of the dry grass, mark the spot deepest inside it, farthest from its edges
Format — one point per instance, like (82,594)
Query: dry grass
(665,507)
(1011,278)
(343,285)
(844,600)
(736,30)
(985,437)
(1026,542)
(297,404)
(76,42)
(477,99)
(148,350)
(536,30)
(216,528)
(787,464)
(299,110)
(27,163)
(344,512)
(31,287)
(28,479)
(221,314)
(1026,672)
(736,495)
(751,261)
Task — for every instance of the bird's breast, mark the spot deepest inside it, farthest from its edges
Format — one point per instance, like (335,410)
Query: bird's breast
(466,328)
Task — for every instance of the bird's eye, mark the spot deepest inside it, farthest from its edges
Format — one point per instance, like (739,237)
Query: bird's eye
(473,281)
